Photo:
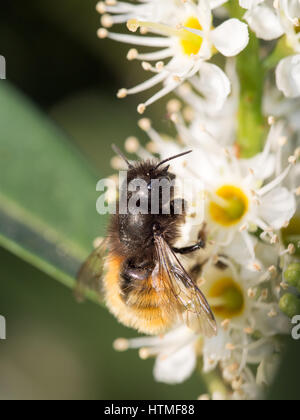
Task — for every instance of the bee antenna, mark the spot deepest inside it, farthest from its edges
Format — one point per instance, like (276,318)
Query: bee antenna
(121,154)
(172,158)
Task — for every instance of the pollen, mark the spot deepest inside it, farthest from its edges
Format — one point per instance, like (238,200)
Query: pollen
(204,397)
(132,144)
(132,54)
(226,299)
(121,344)
(228,206)
(102,33)
(144,353)
(191,43)
(133,25)
(122,93)
(141,109)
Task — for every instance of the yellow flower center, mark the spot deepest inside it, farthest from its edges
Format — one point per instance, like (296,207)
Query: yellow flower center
(191,44)
(226,298)
(228,205)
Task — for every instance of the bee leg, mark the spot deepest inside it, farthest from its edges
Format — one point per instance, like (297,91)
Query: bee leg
(189,249)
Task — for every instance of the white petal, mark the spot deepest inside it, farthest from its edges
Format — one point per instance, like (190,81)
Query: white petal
(267,369)
(204,14)
(264,22)
(267,254)
(215,350)
(231,37)
(278,206)
(264,349)
(214,85)
(291,8)
(295,120)
(176,367)
(265,168)
(238,251)
(272,326)
(288,76)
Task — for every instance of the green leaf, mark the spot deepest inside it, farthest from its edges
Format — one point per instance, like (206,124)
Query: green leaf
(47,191)
(95,120)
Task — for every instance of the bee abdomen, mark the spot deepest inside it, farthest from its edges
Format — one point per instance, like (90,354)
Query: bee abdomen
(147,298)
(145,308)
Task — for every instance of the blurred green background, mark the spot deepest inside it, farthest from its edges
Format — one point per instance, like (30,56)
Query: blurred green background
(58,118)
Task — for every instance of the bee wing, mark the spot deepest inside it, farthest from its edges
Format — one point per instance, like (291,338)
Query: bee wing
(91,273)
(181,288)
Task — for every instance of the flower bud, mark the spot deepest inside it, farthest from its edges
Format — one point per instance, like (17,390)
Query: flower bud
(290,305)
(292,275)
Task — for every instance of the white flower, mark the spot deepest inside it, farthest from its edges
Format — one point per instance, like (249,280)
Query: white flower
(231,195)
(213,107)
(291,10)
(289,14)
(286,109)
(288,76)
(270,20)
(177,367)
(186,37)
(229,38)
(175,353)
(239,196)
(239,314)
(243,303)
(237,205)
(265,22)
(241,205)
(214,86)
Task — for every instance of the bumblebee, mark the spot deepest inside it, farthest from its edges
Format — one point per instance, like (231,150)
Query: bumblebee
(136,268)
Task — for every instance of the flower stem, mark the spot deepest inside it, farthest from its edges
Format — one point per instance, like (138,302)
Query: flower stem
(251,122)
(281,51)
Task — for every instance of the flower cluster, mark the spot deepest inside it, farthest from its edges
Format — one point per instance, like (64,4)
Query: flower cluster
(184,35)
(271,20)
(246,205)
(249,271)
